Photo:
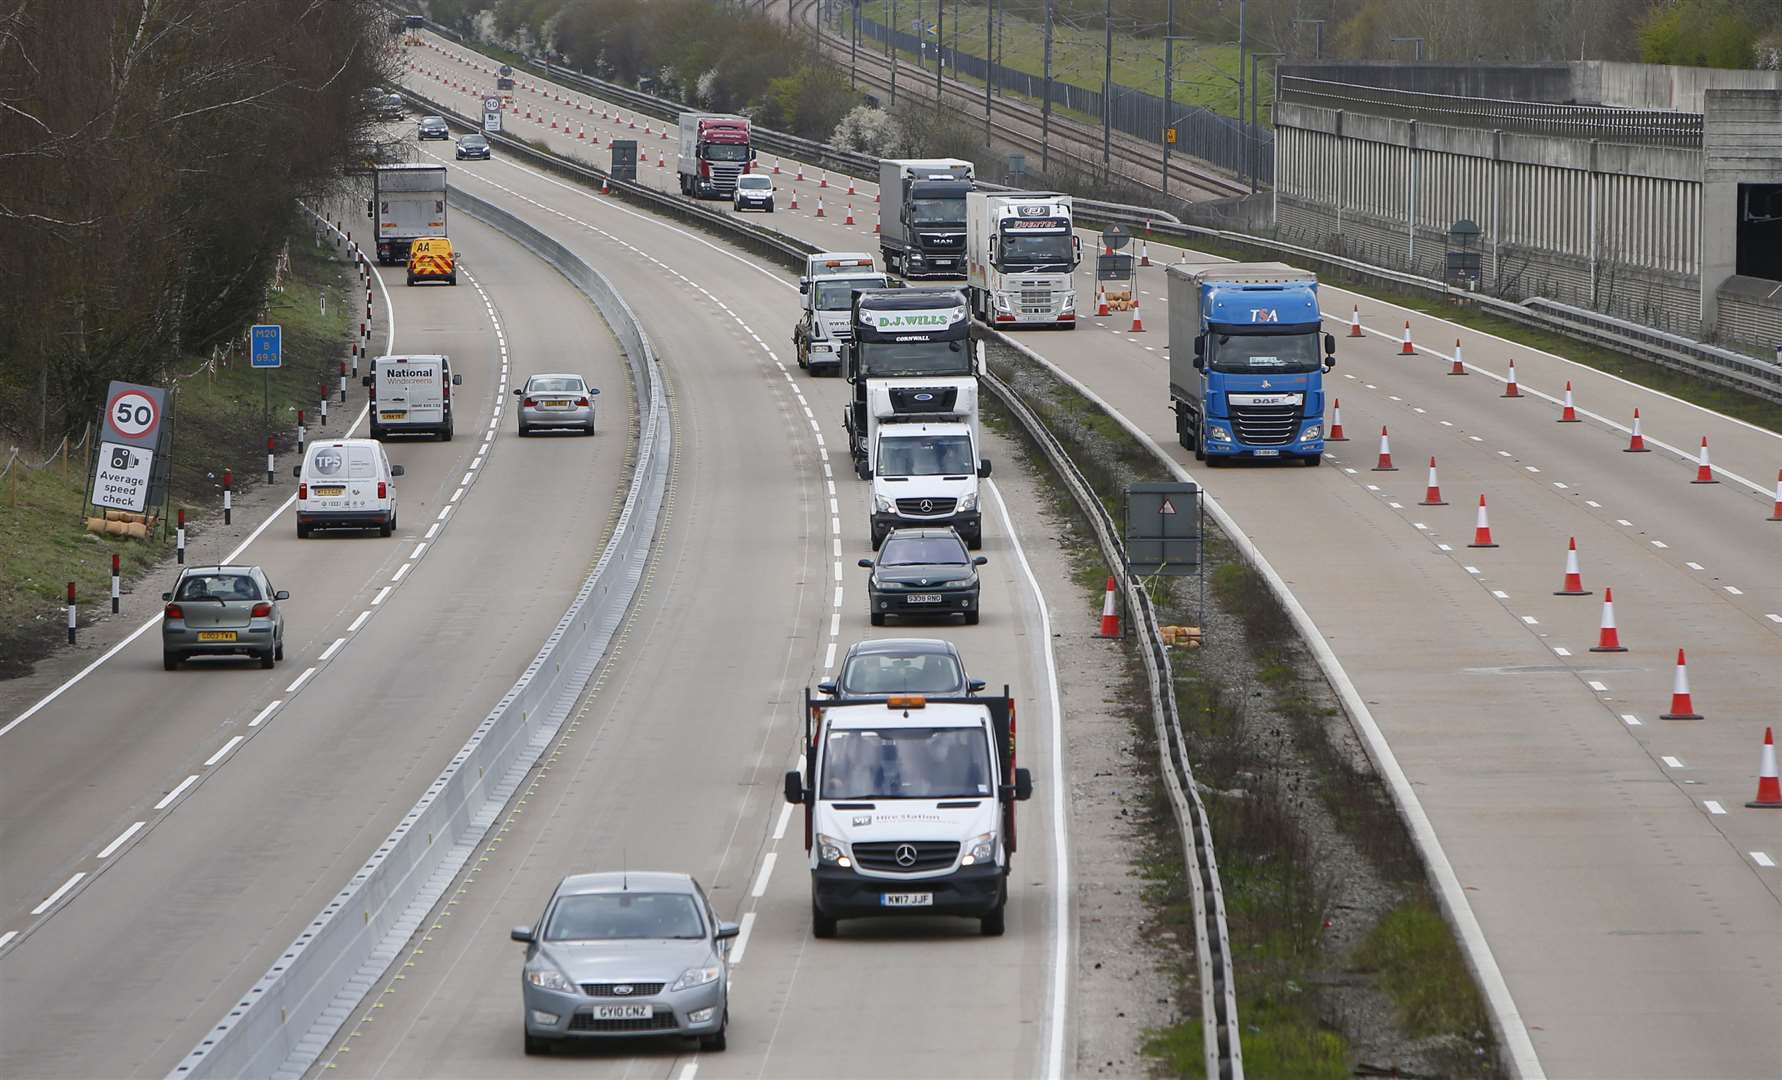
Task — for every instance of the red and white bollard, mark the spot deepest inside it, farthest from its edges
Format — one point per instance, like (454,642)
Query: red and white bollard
(228,495)
(1568,413)
(343,380)
(1144,253)
(114,583)
(1574,580)
(270,465)
(324,404)
(1636,442)
(1336,422)
(301,432)
(179,541)
(73,613)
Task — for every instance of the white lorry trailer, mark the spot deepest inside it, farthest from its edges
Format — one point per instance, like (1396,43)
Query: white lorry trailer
(1020,253)
(407,202)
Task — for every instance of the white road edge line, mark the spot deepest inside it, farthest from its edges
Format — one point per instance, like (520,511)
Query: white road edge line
(742,936)
(50,902)
(123,838)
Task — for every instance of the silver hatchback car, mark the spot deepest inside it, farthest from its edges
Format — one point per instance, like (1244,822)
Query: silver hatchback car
(623,955)
(556,401)
(222,611)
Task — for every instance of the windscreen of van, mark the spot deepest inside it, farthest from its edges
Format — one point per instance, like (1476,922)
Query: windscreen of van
(925,455)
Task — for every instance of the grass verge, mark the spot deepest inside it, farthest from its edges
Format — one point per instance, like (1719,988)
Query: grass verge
(221,417)
(1422,970)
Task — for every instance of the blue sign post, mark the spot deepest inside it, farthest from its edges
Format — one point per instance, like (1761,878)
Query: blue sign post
(267,346)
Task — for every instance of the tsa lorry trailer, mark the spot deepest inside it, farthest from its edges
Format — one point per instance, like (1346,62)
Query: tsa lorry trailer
(407,202)
(910,355)
(1246,371)
(827,286)
(922,216)
(714,151)
(909,807)
(1019,255)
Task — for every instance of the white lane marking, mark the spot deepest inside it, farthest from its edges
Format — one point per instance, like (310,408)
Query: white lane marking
(381,594)
(688,1071)
(1593,504)
(742,937)
(1598,687)
(328,653)
(1531,620)
(835,525)
(1624,523)
(224,752)
(167,799)
(6,937)
(419,549)
(835,624)
(1660,544)
(1693,565)
(1470,569)
(1762,859)
(270,708)
(1561,650)
(1627,718)
(1773,616)
(58,894)
(135,827)
(1671,762)
(1445,547)
(834,508)
(467,475)
(432,531)
(1500,594)
(353,627)
(779,827)
(300,680)
(1734,589)
(456,495)
(1713,807)
(444,510)
(838,570)
(401,572)
(838,596)
(767,862)
(828,665)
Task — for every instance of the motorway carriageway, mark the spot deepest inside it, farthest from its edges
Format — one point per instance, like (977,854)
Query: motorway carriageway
(205,815)
(1631,901)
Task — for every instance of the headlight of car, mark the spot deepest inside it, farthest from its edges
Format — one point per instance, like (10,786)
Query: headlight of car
(830,850)
(549,978)
(884,504)
(1312,433)
(980,849)
(698,976)
(968,501)
(1218,434)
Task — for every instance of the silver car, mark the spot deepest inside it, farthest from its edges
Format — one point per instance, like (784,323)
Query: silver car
(222,611)
(886,666)
(623,955)
(556,401)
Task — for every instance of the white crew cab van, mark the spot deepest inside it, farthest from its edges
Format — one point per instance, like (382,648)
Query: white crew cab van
(346,484)
(909,807)
(412,395)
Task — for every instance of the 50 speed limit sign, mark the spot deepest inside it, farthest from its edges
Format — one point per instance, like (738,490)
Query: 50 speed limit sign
(133,414)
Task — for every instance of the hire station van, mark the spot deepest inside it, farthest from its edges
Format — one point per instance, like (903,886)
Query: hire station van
(412,395)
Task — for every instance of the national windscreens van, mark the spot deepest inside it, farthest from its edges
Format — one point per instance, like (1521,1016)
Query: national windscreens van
(412,395)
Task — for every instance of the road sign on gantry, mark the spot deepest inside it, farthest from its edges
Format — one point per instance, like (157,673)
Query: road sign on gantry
(133,415)
(1163,529)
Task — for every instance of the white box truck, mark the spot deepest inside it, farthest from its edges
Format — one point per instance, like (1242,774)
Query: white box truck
(1020,253)
(407,202)
(922,218)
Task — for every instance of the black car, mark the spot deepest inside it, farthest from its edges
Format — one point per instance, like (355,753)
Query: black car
(389,107)
(433,127)
(877,669)
(473,146)
(923,572)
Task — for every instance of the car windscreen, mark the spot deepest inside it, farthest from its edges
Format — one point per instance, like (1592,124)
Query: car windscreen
(1262,354)
(726,153)
(554,386)
(890,359)
(473,140)
(217,587)
(906,763)
(624,916)
(890,673)
(925,455)
(754,183)
(937,212)
(913,551)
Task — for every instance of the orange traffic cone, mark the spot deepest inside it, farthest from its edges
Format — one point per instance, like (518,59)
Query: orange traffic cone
(1636,443)
(1682,708)
(1568,414)
(661,162)
(583,135)
(849,220)
(819,207)
(1138,325)
(1769,789)
(1574,580)
(1144,253)
(1405,348)
(1704,469)
(662,135)
(1336,422)
(875,227)
(1432,493)
(1459,366)
(823,183)
(1355,321)
(1776,514)
(604,190)
(1110,620)
(1608,638)
(1510,388)
(1482,529)
(794,205)
(851,186)
(1101,301)
(800,176)
(1385,463)
(776,166)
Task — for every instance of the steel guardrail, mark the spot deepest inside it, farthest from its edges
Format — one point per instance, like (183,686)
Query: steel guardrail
(289,1016)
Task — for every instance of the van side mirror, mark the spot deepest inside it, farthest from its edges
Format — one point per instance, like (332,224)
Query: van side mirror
(865,563)
(397,470)
(794,787)
(281,595)
(521,933)
(827,686)
(370,208)
(457,380)
(364,380)
(975,685)
(1200,346)
(1023,785)
(297,471)
(981,560)
(804,286)
(983,468)
(166,596)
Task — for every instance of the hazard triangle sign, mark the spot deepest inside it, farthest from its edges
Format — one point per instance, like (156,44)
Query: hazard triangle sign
(1168,507)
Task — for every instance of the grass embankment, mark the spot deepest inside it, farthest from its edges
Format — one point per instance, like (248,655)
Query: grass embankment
(1206,74)
(1298,820)
(220,421)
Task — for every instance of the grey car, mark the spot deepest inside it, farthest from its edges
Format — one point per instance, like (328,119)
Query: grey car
(877,669)
(556,401)
(433,127)
(626,954)
(222,611)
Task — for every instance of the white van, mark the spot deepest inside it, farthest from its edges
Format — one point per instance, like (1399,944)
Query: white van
(412,395)
(346,484)
(927,475)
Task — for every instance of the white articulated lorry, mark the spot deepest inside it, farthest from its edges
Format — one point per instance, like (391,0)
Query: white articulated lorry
(1020,253)
(407,202)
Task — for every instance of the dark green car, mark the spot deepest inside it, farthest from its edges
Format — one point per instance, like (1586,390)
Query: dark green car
(222,611)
(923,572)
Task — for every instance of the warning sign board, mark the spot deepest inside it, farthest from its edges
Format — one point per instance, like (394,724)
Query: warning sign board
(121,482)
(1163,529)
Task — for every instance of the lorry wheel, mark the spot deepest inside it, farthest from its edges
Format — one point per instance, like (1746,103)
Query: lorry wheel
(993,924)
(1313,460)
(975,541)
(821,925)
